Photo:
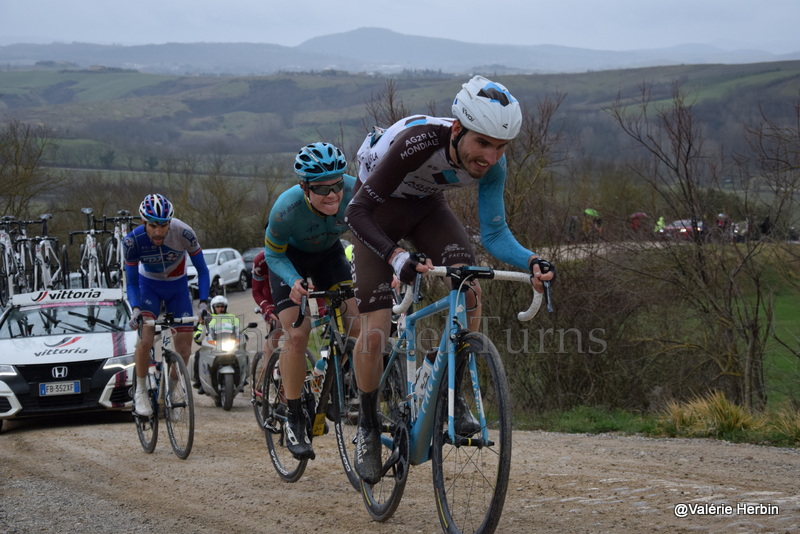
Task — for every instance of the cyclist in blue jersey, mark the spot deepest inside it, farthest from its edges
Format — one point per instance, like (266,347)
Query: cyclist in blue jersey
(404,172)
(155,264)
(301,242)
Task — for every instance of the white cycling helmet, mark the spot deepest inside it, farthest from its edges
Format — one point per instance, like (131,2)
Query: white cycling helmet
(219,300)
(488,108)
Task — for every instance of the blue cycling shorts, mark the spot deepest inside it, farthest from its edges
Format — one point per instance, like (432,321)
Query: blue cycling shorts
(173,293)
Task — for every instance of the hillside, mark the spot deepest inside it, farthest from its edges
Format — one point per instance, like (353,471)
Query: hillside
(366,50)
(135,112)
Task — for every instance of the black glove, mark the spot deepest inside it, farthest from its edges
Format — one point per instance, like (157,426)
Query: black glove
(544,266)
(405,266)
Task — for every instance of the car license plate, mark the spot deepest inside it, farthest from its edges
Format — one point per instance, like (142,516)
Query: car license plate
(59,388)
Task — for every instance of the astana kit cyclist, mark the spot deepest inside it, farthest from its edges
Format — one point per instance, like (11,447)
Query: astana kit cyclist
(155,264)
(404,172)
(301,242)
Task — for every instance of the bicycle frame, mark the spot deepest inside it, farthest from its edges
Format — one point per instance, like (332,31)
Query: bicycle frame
(9,259)
(422,416)
(89,263)
(116,256)
(44,256)
(24,257)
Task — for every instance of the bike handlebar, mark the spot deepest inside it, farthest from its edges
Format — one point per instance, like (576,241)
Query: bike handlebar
(478,272)
(169,321)
(336,296)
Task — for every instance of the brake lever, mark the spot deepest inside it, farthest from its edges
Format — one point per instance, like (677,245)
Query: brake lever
(301,314)
(546,267)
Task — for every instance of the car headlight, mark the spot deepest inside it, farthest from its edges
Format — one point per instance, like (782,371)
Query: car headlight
(119,362)
(7,370)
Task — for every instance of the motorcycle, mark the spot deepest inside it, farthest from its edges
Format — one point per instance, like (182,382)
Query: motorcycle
(222,364)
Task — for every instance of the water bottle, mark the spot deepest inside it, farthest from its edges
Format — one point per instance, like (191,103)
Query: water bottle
(318,374)
(152,376)
(423,374)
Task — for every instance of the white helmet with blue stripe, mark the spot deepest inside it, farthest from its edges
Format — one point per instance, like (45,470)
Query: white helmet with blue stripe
(488,108)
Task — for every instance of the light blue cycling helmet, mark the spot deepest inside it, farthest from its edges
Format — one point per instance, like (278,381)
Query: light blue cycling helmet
(156,208)
(319,161)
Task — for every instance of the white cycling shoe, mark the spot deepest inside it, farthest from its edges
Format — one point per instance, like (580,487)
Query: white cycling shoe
(141,403)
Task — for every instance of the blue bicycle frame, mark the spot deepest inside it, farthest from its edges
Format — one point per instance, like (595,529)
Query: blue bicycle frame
(421,426)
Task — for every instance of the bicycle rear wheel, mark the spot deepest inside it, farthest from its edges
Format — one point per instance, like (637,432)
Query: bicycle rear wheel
(470,477)
(178,404)
(273,413)
(345,415)
(65,281)
(147,427)
(113,271)
(383,498)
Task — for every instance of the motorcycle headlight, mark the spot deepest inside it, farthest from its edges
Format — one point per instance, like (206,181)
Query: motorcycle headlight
(227,345)
(119,363)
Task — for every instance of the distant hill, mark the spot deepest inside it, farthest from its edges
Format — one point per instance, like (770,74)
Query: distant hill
(97,110)
(366,50)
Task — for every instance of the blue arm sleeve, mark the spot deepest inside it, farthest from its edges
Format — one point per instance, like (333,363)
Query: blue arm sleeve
(495,234)
(132,284)
(203,279)
(276,240)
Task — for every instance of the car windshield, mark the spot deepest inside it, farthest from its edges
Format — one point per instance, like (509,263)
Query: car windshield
(250,253)
(210,257)
(64,318)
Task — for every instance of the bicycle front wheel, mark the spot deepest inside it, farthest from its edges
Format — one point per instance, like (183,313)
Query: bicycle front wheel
(470,472)
(345,415)
(178,404)
(257,384)
(273,413)
(4,277)
(383,498)
(147,427)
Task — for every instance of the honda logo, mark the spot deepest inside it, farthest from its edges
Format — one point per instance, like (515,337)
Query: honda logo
(60,372)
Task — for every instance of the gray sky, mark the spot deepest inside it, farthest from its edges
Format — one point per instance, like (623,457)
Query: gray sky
(600,25)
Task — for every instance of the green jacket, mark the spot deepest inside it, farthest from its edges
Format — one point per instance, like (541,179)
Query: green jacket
(221,322)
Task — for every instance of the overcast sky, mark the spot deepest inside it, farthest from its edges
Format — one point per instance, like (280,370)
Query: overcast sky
(600,25)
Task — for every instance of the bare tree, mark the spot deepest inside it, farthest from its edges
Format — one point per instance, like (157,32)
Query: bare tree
(23,179)
(719,285)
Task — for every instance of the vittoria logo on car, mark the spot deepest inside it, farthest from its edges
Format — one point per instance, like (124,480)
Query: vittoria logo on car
(64,342)
(65,294)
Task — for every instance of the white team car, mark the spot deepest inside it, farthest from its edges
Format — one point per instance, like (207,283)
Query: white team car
(225,268)
(65,351)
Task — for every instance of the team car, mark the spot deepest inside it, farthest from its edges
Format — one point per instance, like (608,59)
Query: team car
(65,351)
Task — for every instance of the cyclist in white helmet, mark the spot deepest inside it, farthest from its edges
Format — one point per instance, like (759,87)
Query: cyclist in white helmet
(404,172)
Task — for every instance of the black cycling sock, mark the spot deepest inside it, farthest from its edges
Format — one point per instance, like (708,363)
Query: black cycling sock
(295,409)
(369,409)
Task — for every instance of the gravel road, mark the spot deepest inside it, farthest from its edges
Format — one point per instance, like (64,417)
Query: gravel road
(89,474)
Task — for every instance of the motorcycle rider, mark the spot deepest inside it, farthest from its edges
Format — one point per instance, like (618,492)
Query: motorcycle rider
(221,321)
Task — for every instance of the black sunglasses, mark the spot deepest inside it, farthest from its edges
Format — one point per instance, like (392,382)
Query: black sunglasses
(324,190)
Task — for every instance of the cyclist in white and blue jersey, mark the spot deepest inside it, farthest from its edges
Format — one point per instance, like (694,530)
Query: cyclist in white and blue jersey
(155,264)
(404,172)
(301,242)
